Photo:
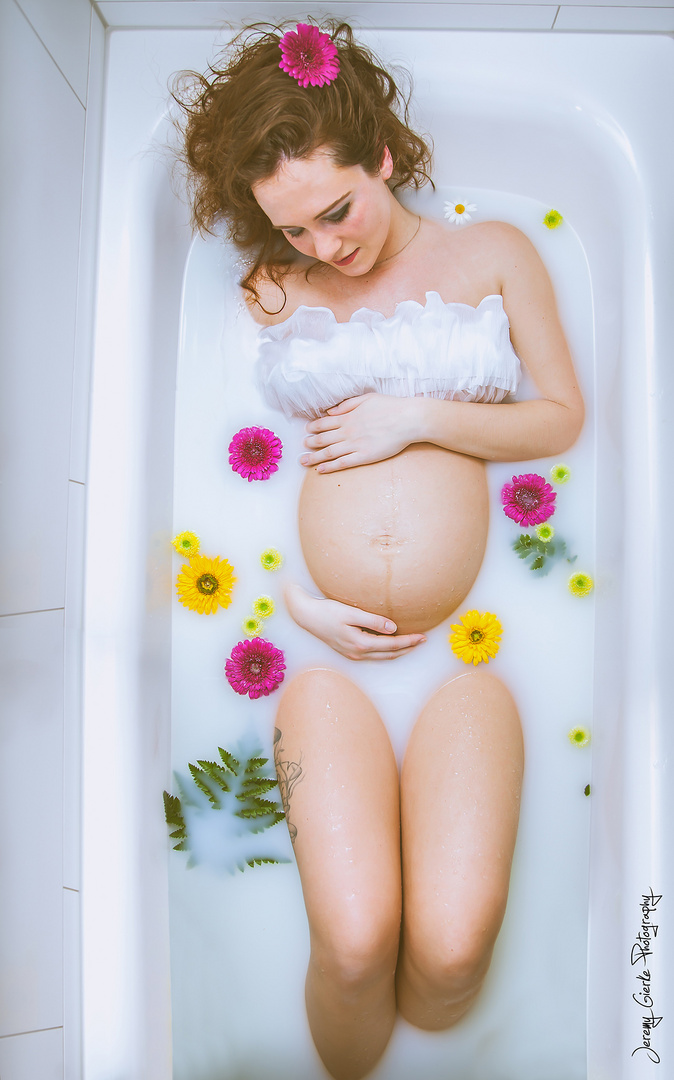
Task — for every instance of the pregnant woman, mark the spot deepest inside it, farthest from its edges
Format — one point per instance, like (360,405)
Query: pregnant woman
(389,333)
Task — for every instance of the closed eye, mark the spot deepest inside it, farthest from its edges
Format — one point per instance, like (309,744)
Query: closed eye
(341,214)
(332,219)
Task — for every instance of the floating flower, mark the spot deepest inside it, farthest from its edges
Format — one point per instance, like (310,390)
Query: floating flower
(263,607)
(252,626)
(254,452)
(309,56)
(553,219)
(544,533)
(579,736)
(581,584)
(205,584)
(459,212)
(186,543)
(271,559)
(559,474)
(255,668)
(476,638)
(529,500)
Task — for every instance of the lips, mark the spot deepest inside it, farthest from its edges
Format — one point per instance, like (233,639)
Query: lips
(349,259)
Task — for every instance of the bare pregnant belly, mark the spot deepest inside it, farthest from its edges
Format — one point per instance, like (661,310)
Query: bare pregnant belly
(402,538)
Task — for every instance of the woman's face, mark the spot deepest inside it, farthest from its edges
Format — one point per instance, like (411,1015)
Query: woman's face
(339,215)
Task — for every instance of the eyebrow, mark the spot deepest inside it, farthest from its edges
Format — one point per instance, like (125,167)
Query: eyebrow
(322,213)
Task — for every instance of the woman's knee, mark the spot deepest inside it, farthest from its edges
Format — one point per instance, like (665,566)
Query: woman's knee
(360,948)
(452,965)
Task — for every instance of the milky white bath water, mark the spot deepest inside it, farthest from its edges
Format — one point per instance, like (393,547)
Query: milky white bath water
(239,941)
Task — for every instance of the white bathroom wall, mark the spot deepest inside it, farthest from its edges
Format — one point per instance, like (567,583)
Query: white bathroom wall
(647,16)
(50,99)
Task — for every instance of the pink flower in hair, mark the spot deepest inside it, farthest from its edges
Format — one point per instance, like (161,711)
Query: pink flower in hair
(529,500)
(309,56)
(254,452)
(255,668)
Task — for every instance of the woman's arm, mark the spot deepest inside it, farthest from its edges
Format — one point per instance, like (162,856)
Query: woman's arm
(373,427)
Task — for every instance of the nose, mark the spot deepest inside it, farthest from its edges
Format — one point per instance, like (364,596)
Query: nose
(326,247)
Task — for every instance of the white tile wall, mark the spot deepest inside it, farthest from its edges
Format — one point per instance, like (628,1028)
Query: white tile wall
(63,29)
(72,988)
(36,1056)
(31,841)
(642,19)
(46,268)
(472,14)
(43,129)
(79,435)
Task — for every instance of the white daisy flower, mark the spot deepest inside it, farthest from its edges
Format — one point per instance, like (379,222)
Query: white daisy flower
(459,212)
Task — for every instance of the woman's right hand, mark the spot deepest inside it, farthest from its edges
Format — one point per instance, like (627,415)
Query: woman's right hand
(357,635)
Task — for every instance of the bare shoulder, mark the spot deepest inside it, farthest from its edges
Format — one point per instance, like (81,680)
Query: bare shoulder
(277,303)
(493,240)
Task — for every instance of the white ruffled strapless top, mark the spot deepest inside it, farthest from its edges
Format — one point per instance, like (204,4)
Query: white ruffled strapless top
(311,362)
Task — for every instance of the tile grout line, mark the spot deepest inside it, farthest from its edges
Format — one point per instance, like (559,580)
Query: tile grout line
(38,611)
(58,68)
(35,1031)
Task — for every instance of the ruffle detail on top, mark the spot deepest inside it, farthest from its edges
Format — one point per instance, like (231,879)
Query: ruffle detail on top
(311,362)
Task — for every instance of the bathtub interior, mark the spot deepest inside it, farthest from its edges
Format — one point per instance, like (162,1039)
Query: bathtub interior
(491,113)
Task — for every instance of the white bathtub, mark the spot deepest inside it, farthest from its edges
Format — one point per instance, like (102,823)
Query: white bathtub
(579,121)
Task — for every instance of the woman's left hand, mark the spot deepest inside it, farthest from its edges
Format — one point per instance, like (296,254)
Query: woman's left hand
(361,430)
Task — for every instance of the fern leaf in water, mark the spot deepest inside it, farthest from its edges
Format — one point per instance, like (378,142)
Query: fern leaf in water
(221,816)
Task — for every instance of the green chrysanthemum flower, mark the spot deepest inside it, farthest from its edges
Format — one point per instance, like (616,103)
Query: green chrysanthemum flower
(581,584)
(545,533)
(579,736)
(553,219)
(559,474)
(251,626)
(263,607)
(271,559)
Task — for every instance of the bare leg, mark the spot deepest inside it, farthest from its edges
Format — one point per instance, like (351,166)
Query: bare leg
(339,782)
(460,792)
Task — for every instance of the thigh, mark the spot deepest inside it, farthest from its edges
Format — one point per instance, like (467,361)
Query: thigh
(339,783)
(460,794)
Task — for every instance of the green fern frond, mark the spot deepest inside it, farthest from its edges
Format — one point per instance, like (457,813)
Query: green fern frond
(173,810)
(255,763)
(262,808)
(230,761)
(258,786)
(203,785)
(262,861)
(216,772)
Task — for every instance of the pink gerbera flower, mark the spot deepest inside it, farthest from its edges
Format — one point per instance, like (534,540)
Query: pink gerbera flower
(254,452)
(529,500)
(309,56)
(255,668)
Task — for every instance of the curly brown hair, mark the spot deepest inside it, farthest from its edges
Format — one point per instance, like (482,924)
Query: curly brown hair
(244,118)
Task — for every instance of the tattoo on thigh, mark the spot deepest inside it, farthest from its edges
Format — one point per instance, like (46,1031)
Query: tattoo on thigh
(289,774)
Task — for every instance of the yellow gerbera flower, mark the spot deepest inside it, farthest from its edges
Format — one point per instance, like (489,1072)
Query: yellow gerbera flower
(263,607)
(271,559)
(476,638)
(205,584)
(186,543)
(579,736)
(251,626)
(581,584)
